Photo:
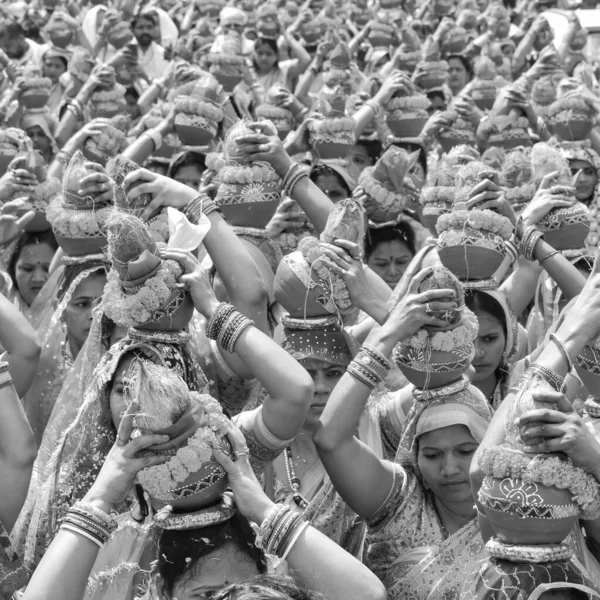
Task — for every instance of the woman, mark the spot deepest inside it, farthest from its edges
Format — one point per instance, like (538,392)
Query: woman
(41,128)
(499,344)
(54,65)
(188,168)
(28,267)
(334,178)
(389,250)
(460,72)
(423,530)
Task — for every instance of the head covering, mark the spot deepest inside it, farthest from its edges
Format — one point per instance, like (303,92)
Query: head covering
(42,119)
(232,16)
(340,167)
(54,52)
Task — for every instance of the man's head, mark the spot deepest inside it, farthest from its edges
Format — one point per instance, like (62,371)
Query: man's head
(145,28)
(12,38)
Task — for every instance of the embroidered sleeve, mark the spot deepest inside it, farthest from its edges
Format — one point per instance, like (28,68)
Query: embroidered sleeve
(395,498)
(263,446)
(391,422)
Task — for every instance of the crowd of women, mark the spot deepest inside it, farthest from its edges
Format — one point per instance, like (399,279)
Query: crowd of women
(299,301)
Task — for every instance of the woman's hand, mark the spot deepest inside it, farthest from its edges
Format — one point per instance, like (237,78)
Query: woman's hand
(122,464)
(285,219)
(416,310)
(184,428)
(466,110)
(489,195)
(559,428)
(298,139)
(98,185)
(343,258)
(547,197)
(16,182)
(91,129)
(516,99)
(395,82)
(265,145)
(436,123)
(11,226)
(249,495)
(196,280)
(165,191)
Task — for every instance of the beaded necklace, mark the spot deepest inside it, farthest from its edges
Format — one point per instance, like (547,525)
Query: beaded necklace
(294,480)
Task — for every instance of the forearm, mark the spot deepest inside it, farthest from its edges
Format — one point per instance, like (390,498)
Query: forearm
(19,340)
(519,287)
(305,82)
(149,97)
(299,52)
(521,53)
(141,149)
(567,276)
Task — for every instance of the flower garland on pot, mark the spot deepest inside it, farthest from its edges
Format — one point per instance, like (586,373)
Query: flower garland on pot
(517,176)
(143,288)
(35,88)
(227,64)
(192,478)
(533,501)
(78,221)
(199,115)
(12,141)
(432,71)
(249,192)
(483,87)
(435,357)
(406,113)
(388,189)
(471,242)
(571,118)
(271,110)
(458,133)
(111,141)
(409,53)
(563,228)
(109,100)
(171,144)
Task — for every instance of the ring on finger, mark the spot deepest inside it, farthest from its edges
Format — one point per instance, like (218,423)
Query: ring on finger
(121,442)
(428,310)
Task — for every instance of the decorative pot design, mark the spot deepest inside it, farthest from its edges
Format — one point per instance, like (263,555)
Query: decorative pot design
(175,316)
(196,135)
(587,363)
(81,246)
(526,513)
(249,204)
(566,228)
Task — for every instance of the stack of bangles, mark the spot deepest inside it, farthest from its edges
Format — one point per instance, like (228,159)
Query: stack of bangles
(62,156)
(369,366)
(5,378)
(75,107)
(554,379)
(89,522)
(226,326)
(280,530)
(294,174)
(155,137)
(528,241)
(200,205)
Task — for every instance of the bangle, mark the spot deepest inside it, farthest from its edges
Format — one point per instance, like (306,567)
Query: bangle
(374,106)
(80,531)
(529,241)
(552,378)
(216,322)
(200,205)
(294,539)
(364,374)
(372,364)
(558,342)
(155,136)
(5,377)
(378,356)
(541,260)
(75,112)
(511,250)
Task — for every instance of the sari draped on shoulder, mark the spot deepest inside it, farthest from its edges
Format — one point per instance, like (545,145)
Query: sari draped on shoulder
(408,550)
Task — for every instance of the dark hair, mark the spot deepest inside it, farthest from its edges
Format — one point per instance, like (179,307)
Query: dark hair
(261,41)
(373,148)
(29,239)
(401,232)
(11,28)
(321,170)
(131,91)
(466,63)
(148,16)
(437,93)
(186,159)
(266,587)
(62,58)
(180,551)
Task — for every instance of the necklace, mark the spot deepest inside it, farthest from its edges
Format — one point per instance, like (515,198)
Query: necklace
(293,480)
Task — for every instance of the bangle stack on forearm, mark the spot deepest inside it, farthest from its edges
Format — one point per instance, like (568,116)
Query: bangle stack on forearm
(370,367)
(200,205)
(226,326)
(280,530)
(89,522)
(294,174)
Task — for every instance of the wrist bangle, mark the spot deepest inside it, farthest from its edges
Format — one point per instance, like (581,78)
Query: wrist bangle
(155,136)
(374,106)
(558,343)
(541,260)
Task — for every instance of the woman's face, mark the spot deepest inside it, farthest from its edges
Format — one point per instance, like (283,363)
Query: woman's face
(78,313)
(223,567)
(585,177)
(116,397)
(389,260)
(489,346)
(458,76)
(158,167)
(331,186)
(444,459)
(54,68)
(359,157)
(325,377)
(264,57)
(31,270)
(40,140)
(189,175)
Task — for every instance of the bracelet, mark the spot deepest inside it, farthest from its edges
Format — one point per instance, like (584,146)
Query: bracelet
(294,539)
(88,525)
(75,112)
(379,370)
(90,510)
(232,330)
(364,375)
(559,344)
(266,528)
(293,175)
(378,356)
(541,260)
(5,377)
(216,322)
(200,205)
(155,136)
(374,106)
(511,250)
(527,244)
(82,532)
(555,380)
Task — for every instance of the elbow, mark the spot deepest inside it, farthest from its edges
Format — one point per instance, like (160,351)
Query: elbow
(32,350)
(304,391)
(324,439)
(379,592)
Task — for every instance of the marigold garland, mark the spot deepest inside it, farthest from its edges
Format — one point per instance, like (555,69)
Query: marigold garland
(477,219)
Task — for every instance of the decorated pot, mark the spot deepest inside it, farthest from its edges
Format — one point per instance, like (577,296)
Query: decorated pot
(566,228)
(38,224)
(587,363)
(471,253)
(572,128)
(195,135)
(406,125)
(93,153)
(34,98)
(527,513)
(449,137)
(81,246)
(432,78)
(428,369)
(107,110)
(173,317)
(381,35)
(249,204)
(330,150)
(484,96)
(280,117)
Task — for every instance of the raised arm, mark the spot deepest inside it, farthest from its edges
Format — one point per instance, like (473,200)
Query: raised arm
(315,561)
(362,479)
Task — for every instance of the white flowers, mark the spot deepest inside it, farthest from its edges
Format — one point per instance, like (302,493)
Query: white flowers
(446,341)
